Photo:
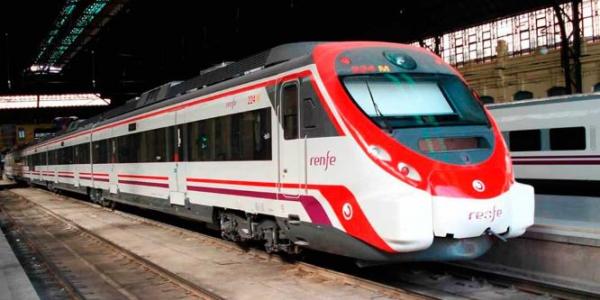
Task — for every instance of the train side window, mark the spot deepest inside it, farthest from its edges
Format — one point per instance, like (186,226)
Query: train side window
(52,158)
(112,147)
(309,113)
(202,139)
(251,135)
(76,154)
(62,159)
(262,134)
(242,136)
(41,159)
(79,154)
(129,148)
(238,138)
(570,138)
(65,156)
(193,141)
(289,110)
(525,140)
(61,156)
(84,153)
(100,152)
(71,155)
(171,143)
(122,150)
(222,138)
(157,145)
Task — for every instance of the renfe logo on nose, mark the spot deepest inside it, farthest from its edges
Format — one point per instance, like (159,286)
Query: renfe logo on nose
(325,161)
(489,215)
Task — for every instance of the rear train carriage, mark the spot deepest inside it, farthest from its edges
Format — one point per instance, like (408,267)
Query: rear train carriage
(554,142)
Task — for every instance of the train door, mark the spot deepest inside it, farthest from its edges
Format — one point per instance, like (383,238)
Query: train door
(291,151)
(177,179)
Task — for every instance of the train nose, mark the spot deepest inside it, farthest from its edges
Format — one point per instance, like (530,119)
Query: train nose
(466,204)
(465,218)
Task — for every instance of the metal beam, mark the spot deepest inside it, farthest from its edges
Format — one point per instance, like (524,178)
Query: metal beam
(570,52)
(576,52)
(564,47)
(78,22)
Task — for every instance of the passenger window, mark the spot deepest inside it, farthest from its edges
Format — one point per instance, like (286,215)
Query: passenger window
(525,140)
(84,153)
(289,110)
(308,114)
(242,136)
(570,138)
(100,152)
(52,158)
(155,144)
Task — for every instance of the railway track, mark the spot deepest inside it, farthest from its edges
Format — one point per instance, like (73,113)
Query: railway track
(88,266)
(412,281)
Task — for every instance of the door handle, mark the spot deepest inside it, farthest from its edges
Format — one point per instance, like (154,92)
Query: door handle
(284,170)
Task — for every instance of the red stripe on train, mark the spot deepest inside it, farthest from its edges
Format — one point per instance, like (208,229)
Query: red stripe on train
(143,176)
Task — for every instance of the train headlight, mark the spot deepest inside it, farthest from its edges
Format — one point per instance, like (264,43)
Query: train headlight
(379,153)
(408,171)
(401,60)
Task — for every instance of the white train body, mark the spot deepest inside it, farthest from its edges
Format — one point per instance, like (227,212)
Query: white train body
(311,172)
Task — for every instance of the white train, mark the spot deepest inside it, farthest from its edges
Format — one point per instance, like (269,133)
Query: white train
(554,141)
(376,151)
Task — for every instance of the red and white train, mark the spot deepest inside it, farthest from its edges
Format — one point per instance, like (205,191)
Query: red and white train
(375,151)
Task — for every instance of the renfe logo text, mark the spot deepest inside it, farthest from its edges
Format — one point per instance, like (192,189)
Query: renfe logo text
(325,161)
(489,215)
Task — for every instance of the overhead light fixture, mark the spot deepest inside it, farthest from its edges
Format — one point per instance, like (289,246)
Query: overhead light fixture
(52,100)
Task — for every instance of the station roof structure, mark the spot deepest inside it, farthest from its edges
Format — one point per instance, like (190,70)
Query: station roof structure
(120,48)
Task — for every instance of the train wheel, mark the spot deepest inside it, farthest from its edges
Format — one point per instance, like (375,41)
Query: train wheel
(110,204)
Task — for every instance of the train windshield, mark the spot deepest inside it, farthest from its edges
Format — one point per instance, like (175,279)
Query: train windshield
(415,100)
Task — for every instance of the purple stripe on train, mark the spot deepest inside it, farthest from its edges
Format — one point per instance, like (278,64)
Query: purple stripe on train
(312,206)
(145,183)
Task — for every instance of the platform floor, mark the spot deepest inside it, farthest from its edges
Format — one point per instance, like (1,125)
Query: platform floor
(570,219)
(4,182)
(572,211)
(14,283)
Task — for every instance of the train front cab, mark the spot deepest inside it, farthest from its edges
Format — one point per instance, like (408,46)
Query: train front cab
(434,181)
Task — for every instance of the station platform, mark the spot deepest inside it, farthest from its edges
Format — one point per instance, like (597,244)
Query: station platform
(14,283)
(4,183)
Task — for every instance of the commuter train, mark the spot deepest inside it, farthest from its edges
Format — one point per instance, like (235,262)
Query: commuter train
(554,142)
(375,151)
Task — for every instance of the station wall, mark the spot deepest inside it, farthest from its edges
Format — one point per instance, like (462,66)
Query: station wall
(537,73)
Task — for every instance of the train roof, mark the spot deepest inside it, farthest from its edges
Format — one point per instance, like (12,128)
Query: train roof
(214,75)
(547,100)
(206,78)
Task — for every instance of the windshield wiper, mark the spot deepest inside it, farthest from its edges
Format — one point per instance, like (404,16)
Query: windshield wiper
(386,126)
